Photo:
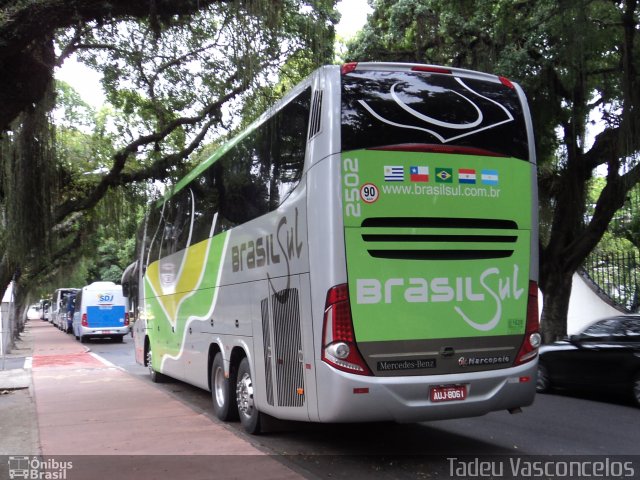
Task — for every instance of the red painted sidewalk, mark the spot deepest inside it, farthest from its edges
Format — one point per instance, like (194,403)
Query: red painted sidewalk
(85,407)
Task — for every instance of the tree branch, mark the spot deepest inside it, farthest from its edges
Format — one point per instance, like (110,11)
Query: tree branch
(26,30)
(22,19)
(116,177)
(610,201)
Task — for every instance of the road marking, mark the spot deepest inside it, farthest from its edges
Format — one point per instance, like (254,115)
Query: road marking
(106,362)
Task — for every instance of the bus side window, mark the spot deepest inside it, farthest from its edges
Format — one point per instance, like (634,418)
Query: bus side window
(206,195)
(167,246)
(177,225)
(155,229)
(287,133)
(252,178)
(142,241)
(182,220)
(244,195)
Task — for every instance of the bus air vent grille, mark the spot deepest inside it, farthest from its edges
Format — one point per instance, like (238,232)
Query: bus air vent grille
(438,222)
(282,342)
(268,349)
(315,122)
(440,254)
(430,238)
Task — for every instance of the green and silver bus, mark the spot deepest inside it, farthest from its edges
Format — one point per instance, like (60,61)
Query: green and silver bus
(365,251)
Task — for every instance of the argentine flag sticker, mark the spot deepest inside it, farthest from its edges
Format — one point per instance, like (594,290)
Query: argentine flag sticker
(489,177)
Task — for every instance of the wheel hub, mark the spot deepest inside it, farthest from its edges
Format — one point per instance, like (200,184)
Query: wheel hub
(149,366)
(218,381)
(244,395)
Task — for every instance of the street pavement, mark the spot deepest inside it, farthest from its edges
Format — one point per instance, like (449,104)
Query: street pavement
(73,403)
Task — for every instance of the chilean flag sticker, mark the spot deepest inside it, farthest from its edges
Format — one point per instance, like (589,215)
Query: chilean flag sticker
(419,174)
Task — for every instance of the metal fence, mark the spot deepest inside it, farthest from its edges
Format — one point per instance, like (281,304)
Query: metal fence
(618,276)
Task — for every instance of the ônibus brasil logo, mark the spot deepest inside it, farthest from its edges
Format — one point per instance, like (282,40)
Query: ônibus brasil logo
(38,469)
(446,290)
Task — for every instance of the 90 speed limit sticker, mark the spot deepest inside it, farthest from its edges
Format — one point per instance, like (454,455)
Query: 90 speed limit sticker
(369,193)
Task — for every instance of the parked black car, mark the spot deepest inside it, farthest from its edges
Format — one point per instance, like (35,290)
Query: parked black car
(605,356)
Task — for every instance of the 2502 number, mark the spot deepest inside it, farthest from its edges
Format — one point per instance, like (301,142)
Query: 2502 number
(351,181)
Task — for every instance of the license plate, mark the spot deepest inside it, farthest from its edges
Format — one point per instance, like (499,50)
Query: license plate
(448,393)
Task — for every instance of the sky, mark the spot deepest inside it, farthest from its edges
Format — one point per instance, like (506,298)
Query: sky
(354,16)
(87,81)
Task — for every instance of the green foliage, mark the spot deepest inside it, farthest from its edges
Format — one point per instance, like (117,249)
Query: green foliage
(27,162)
(112,258)
(73,112)
(623,234)
(72,276)
(84,144)
(97,243)
(154,75)
(614,244)
(294,70)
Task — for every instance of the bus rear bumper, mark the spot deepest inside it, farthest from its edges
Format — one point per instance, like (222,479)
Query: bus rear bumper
(354,398)
(89,332)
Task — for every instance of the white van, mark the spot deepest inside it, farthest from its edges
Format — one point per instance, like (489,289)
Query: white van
(100,311)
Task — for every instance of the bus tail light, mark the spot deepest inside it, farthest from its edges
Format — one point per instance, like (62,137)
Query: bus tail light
(348,68)
(507,83)
(126,319)
(532,338)
(85,321)
(338,338)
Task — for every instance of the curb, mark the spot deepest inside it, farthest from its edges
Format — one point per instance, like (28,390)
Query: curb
(17,379)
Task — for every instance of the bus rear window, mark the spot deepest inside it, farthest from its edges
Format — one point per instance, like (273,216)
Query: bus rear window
(381,108)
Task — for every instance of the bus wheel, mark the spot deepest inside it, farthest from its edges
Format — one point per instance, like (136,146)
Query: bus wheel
(249,414)
(156,377)
(223,405)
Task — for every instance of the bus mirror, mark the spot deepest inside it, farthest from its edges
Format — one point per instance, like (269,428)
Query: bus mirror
(125,289)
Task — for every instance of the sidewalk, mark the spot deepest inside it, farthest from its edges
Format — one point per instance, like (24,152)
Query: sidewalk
(85,407)
(14,366)
(18,425)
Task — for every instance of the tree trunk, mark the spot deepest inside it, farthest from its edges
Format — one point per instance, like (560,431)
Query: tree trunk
(556,289)
(7,270)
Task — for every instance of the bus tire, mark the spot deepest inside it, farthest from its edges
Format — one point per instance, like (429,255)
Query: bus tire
(247,411)
(156,377)
(223,403)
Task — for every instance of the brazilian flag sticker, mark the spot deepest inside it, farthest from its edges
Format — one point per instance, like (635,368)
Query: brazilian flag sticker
(444,175)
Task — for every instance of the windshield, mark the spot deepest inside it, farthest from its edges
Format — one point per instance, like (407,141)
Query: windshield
(381,108)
